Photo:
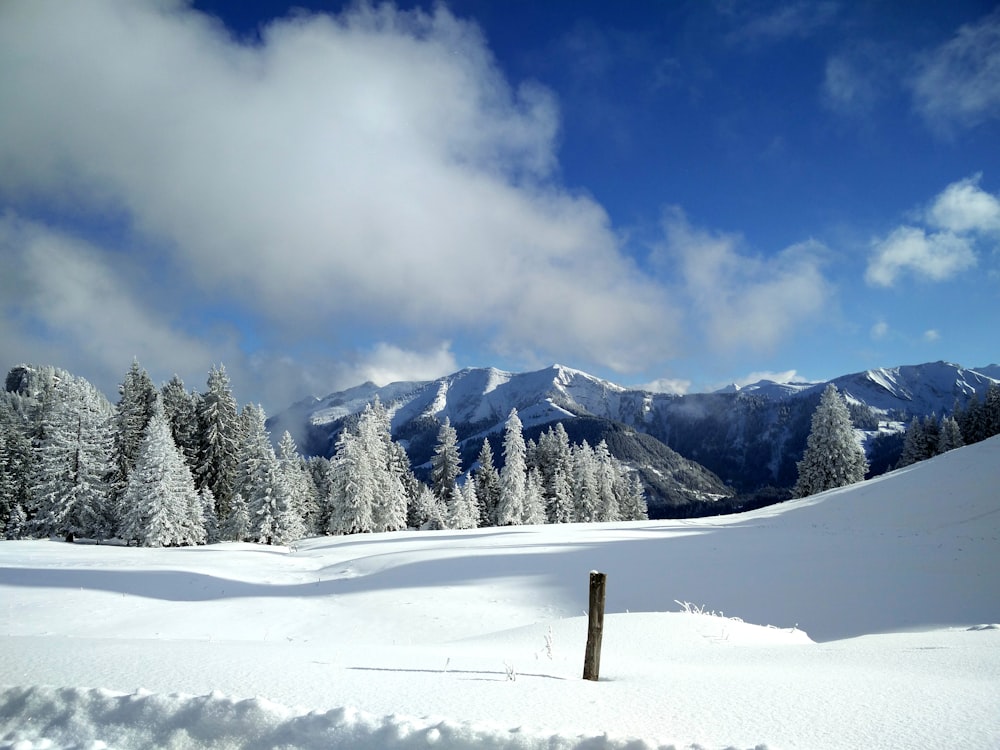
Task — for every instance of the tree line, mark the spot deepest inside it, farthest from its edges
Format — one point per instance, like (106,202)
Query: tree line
(167,466)
(972,423)
(834,457)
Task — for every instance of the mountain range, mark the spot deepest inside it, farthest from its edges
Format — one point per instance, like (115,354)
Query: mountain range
(689,449)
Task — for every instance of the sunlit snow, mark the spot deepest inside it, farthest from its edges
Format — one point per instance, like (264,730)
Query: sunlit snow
(859,618)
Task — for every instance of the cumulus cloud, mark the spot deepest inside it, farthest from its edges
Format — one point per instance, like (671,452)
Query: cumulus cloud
(958,83)
(737,300)
(360,172)
(931,335)
(935,256)
(955,221)
(965,207)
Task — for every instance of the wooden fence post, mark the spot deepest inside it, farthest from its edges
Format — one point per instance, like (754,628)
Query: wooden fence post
(595,626)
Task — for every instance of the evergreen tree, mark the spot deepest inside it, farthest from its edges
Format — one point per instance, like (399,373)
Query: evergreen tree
(369,477)
(299,482)
(445,465)
(916,445)
(236,526)
(273,517)
(534,506)
(555,462)
(633,503)
(138,399)
(352,486)
(465,511)
(991,410)
(70,490)
(319,472)
(181,411)
(487,486)
(585,498)
(932,434)
(399,460)
(209,519)
(833,456)
(972,421)
(16,522)
(427,512)
(513,475)
(389,466)
(607,476)
(950,436)
(160,492)
(220,439)
(193,522)
(16,464)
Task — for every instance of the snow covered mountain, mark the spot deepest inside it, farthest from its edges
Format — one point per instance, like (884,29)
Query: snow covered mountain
(473,396)
(750,437)
(478,402)
(917,389)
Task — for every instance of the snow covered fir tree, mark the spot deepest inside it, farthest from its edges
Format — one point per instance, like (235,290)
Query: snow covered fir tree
(170,466)
(833,456)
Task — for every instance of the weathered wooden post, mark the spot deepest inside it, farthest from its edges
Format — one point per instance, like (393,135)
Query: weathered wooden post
(595,626)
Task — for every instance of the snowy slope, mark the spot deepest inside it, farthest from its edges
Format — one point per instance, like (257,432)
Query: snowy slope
(475,639)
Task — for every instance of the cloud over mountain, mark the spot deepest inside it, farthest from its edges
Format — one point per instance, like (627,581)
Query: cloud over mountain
(374,169)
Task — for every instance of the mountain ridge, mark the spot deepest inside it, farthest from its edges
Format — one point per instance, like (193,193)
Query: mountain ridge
(749,438)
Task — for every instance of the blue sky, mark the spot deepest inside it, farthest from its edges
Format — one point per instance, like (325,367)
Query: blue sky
(679,195)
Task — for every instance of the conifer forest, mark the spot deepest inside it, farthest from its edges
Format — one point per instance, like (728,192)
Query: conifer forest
(168,466)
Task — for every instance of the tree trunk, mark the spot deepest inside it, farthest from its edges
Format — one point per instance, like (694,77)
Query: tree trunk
(595,626)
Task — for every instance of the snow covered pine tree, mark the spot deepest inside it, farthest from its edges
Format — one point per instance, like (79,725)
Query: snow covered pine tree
(833,456)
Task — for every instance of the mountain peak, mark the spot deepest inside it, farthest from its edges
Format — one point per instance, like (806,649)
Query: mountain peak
(750,436)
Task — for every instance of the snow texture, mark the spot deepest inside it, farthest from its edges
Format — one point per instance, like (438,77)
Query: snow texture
(475,639)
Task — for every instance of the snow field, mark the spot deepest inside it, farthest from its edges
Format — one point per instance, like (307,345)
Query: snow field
(882,598)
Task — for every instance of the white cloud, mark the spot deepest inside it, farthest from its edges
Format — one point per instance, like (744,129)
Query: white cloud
(798,20)
(67,300)
(958,83)
(932,335)
(936,256)
(370,171)
(857,78)
(961,213)
(675,386)
(739,300)
(879,331)
(965,207)
(845,87)
(387,363)
(784,376)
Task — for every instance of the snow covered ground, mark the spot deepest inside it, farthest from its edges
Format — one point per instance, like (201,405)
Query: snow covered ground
(475,639)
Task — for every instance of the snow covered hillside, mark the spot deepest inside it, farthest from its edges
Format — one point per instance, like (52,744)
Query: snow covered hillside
(868,620)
